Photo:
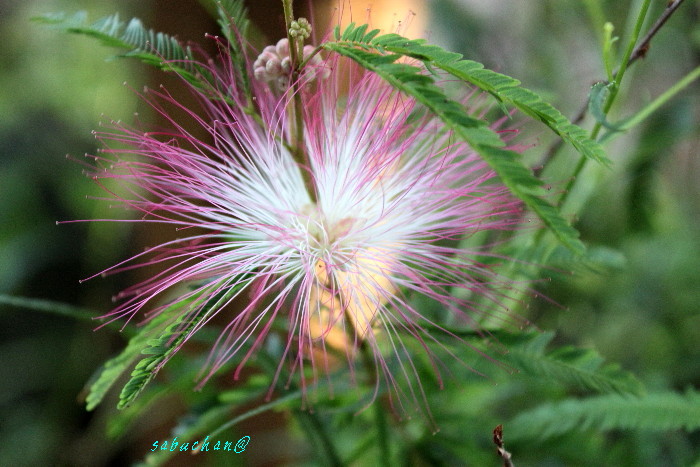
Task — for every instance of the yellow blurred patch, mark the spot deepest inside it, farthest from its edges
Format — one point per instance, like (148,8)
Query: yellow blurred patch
(356,292)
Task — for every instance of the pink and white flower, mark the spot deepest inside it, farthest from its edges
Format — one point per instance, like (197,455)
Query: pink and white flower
(395,193)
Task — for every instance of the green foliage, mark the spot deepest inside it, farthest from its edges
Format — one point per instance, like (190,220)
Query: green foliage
(234,24)
(502,87)
(567,365)
(654,412)
(161,349)
(233,19)
(507,164)
(179,385)
(154,48)
(113,368)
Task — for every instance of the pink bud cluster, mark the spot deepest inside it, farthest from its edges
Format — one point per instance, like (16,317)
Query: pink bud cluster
(274,65)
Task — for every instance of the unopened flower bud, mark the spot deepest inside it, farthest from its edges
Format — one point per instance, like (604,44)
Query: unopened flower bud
(300,28)
(260,73)
(286,64)
(282,47)
(274,65)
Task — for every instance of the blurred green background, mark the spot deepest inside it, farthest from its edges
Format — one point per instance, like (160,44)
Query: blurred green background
(643,312)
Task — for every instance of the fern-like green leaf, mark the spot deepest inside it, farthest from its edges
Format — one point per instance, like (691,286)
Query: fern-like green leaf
(154,48)
(502,87)
(115,367)
(233,19)
(411,80)
(581,368)
(161,349)
(653,412)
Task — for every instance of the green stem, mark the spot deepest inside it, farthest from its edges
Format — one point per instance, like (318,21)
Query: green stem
(360,448)
(611,97)
(49,306)
(311,55)
(639,52)
(63,309)
(608,54)
(256,411)
(382,434)
(654,105)
(379,414)
(299,153)
(312,424)
(288,7)
(297,143)
(371,368)
(308,421)
(626,58)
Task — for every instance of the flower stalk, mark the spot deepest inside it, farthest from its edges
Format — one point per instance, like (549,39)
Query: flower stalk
(296,44)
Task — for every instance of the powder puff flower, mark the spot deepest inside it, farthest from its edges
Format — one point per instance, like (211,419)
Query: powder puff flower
(334,262)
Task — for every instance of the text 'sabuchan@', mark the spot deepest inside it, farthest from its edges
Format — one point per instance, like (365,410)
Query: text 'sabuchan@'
(203,446)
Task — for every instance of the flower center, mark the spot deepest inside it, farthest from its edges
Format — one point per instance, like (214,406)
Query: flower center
(324,235)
